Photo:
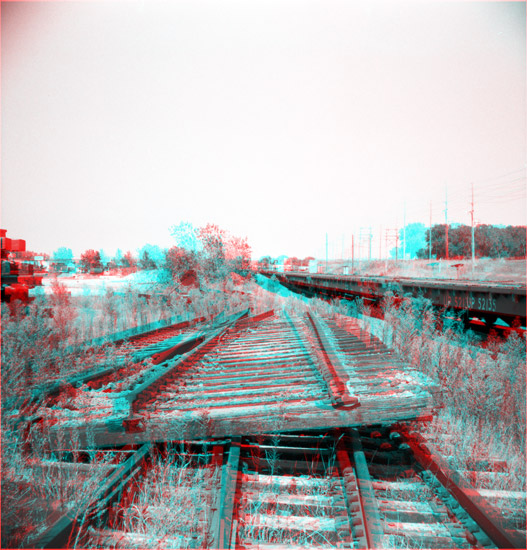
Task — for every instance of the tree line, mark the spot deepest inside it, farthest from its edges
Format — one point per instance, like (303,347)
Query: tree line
(202,253)
(490,241)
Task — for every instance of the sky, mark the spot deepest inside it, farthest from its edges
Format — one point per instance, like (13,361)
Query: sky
(279,121)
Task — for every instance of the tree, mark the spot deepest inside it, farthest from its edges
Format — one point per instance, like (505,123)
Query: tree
(62,259)
(490,241)
(460,241)
(151,257)
(129,261)
(213,262)
(209,250)
(292,263)
(180,261)
(91,261)
(265,262)
(145,262)
(438,242)
(186,236)
(515,239)
(118,258)
(415,239)
(62,255)
(238,254)
(105,259)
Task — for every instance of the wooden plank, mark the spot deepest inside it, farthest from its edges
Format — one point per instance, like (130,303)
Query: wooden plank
(235,381)
(478,478)
(411,516)
(227,394)
(402,488)
(56,469)
(289,523)
(206,372)
(288,450)
(284,483)
(240,398)
(247,384)
(517,497)
(285,465)
(280,546)
(287,500)
(405,528)
(295,415)
(110,538)
(243,358)
(228,492)
(409,506)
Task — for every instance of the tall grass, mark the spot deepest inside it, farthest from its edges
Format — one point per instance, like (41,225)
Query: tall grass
(50,339)
(476,384)
(482,390)
(173,502)
(38,484)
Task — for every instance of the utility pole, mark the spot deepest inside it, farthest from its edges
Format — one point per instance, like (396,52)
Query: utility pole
(352,251)
(386,244)
(404,231)
(326,252)
(391,237)
(430,235)
(366,232)
(446,220)
(472,223)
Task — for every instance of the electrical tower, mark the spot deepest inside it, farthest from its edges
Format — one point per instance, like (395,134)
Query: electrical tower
(472,224)
(392,238)
(446,221)
(367,234)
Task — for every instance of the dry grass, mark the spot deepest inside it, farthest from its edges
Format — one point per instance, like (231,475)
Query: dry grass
(172,502)
(37,485)
(484,269)
(50,339)
(482,395)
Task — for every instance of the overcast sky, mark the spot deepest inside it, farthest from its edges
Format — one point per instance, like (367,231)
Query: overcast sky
(277,120)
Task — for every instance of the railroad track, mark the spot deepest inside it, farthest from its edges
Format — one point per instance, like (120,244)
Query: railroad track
(364,488)
(271,372)
(182,413)
(127,354)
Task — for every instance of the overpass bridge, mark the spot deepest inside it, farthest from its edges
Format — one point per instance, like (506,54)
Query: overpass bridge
(485,300)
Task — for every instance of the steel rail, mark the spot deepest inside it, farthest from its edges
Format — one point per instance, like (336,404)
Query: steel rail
(372,520)
(127,401)
(55,386)
(63,528)
(481,511)
(333,371)
(229,480)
